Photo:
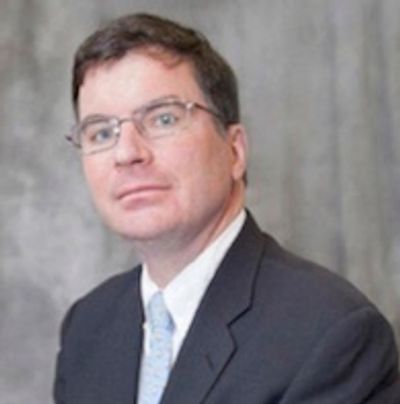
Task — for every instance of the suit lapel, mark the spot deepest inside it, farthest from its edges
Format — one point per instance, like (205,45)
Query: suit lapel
(210,345)
(118,357)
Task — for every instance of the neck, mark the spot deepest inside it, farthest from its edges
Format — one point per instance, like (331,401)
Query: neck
(166,258)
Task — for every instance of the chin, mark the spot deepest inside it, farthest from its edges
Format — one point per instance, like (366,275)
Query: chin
(141,227)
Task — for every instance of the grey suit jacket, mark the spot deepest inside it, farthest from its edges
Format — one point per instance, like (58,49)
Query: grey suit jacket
(271,329)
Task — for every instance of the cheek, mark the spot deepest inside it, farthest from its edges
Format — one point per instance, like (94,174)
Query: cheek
(202,168)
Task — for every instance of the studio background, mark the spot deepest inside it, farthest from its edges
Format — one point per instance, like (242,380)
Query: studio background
(320,93)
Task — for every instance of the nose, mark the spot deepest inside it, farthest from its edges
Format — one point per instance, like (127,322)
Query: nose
(131,147)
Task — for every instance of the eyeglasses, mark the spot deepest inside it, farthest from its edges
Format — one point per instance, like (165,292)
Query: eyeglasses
(155,120)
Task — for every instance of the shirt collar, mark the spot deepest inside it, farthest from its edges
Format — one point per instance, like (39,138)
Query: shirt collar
(183,294)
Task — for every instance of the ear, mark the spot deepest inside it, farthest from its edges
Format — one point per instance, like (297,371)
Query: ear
(238,141)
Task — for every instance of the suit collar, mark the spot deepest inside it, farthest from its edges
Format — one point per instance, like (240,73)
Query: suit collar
(209,344)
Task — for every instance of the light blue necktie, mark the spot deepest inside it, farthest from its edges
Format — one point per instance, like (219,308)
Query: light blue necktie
(157,362)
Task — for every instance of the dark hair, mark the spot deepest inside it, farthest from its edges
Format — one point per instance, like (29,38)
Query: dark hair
(152,33)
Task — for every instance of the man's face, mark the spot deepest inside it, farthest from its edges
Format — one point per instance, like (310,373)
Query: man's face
(168,188)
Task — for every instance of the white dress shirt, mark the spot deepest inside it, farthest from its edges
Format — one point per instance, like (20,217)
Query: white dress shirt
(183,294)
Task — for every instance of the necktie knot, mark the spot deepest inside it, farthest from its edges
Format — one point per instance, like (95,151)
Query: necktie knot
(159,317)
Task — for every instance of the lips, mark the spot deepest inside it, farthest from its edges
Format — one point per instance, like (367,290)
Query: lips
(139,190)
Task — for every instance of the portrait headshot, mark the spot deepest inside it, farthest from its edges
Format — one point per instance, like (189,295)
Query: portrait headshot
(218,221)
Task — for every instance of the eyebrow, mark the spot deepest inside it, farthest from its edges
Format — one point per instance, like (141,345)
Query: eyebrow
(151,103)
(157,101)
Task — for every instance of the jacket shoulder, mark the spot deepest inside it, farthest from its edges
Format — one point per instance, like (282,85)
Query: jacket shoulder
(92,311)
(304,295)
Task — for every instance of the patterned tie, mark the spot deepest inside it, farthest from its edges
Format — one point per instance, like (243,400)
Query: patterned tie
(157,362)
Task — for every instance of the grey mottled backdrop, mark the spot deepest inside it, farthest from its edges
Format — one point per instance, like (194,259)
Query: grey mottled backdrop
(320,89)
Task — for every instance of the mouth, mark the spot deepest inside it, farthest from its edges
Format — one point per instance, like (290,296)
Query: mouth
(145,191)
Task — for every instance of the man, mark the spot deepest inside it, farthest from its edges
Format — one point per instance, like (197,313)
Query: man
(218,313)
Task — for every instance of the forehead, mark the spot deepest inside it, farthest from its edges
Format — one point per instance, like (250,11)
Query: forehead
(134,80)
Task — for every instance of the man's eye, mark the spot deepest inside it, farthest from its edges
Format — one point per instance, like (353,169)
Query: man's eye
(100,135)
(165,120)
(162,118)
